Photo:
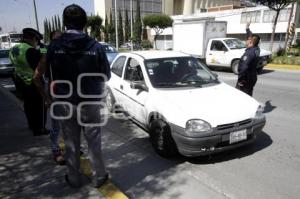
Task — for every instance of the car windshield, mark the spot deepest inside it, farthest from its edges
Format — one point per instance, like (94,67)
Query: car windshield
(3,53)
(234,43)
(109,49)
(178,72)
(16,38)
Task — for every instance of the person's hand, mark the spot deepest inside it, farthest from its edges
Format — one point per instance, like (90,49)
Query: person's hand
(248,25)
(48,102)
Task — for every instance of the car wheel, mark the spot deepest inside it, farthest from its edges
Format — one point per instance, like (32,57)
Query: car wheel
(161,139)
(235,66)
(110,101)
(260,70)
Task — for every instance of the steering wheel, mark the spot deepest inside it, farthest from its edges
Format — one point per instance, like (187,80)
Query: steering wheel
(187,76)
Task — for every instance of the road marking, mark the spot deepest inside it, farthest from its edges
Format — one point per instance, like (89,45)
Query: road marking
(108,189)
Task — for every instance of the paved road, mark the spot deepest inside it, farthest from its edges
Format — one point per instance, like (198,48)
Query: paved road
(267,169)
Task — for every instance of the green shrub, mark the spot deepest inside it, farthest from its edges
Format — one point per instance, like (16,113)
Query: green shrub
(146,44)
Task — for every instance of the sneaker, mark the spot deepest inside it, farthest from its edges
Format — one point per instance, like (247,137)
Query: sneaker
(98,183)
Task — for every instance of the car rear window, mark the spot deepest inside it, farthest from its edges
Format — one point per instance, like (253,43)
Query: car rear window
(4,54)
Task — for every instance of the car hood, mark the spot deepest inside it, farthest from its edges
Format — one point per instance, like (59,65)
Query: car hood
(5,61)
(219,104)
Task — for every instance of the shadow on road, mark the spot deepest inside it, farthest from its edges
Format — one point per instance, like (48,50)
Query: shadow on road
(262,141)
(266,71)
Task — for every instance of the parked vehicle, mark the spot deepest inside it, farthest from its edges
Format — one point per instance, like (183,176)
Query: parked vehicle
(6,67)
(9,40)
(111,52)
(182,104)
(206,39)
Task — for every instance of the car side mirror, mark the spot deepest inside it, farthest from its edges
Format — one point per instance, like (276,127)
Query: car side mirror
(215,75)
(139,86)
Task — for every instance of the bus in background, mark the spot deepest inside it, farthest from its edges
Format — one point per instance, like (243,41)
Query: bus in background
(8,40)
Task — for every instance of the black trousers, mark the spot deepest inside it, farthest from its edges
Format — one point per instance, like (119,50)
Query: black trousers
(246,88)
(34,109)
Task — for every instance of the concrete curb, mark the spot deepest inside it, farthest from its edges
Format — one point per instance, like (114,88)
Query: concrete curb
(283,67)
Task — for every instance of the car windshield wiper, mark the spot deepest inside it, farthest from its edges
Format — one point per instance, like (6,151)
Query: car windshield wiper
(163,84)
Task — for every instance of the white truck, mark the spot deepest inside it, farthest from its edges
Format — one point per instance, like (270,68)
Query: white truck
(206,39)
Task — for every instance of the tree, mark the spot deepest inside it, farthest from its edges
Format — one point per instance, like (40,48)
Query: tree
(46,31)
(120,29)
(158,23)
(56,23)
(112,34)
(137,24)
(105,29)
(126,27)
(95,22)
(60,28)
(277,6)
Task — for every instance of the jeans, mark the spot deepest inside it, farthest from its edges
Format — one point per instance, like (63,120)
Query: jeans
(54,135)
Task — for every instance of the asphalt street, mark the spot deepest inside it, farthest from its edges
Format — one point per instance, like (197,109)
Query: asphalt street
(267,169)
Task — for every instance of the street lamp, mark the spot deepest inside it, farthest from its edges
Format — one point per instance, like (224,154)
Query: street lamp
(36,18)
(131,22)
(116,26)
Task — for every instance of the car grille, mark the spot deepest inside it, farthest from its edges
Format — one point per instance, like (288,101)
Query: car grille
(234,125)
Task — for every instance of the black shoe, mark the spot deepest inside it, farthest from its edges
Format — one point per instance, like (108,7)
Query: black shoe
(70,184)
(101,182)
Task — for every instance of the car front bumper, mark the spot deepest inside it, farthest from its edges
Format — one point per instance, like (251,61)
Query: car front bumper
(218,141)
(6,70)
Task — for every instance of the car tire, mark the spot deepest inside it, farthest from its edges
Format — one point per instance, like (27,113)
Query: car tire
(260,70)
(161,139)
(235,66)
(110,101)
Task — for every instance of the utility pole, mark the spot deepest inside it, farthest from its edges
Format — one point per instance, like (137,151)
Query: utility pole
(36,17)
(131,22)
(116,26)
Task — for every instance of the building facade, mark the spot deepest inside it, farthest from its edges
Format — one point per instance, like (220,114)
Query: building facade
(104,7)
(261,19)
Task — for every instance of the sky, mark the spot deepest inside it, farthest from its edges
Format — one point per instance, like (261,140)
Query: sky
(18,14)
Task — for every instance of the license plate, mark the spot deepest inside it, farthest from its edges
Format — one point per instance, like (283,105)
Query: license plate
(237,136)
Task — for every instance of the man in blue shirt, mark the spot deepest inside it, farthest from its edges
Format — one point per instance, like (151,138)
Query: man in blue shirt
(77,64)
(247,76)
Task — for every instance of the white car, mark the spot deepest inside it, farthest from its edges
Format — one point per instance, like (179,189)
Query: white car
(182,105)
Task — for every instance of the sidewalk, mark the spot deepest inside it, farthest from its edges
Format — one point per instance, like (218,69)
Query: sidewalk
(283,67)
(26,166)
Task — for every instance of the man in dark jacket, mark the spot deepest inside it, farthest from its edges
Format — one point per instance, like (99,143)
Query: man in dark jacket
(247,76)
(77,63)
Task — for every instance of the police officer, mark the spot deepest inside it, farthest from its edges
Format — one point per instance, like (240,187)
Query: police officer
(25,57)
(247,69)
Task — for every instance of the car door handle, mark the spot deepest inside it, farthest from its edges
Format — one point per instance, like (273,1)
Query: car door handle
(210,54)
(121,87)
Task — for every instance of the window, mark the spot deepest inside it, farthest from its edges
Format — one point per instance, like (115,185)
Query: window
(269,16)
(217,46)
(4,39)
(133,71)
(253,17)
(117,67)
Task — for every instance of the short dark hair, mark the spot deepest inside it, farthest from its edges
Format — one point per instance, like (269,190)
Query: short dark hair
(255,39)
(52,33)
(74,17)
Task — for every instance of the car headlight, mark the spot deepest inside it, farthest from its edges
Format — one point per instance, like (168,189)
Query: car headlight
(260,112)
(197,126)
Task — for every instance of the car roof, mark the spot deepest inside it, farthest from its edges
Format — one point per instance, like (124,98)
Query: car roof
(156,54)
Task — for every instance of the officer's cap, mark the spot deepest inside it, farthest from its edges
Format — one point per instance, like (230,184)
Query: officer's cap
(30,32)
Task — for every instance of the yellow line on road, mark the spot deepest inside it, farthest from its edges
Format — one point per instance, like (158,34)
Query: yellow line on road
(283,66)
(109,190)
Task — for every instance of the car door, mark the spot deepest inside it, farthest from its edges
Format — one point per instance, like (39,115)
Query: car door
(116,80)
(135,97)
(216,54)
